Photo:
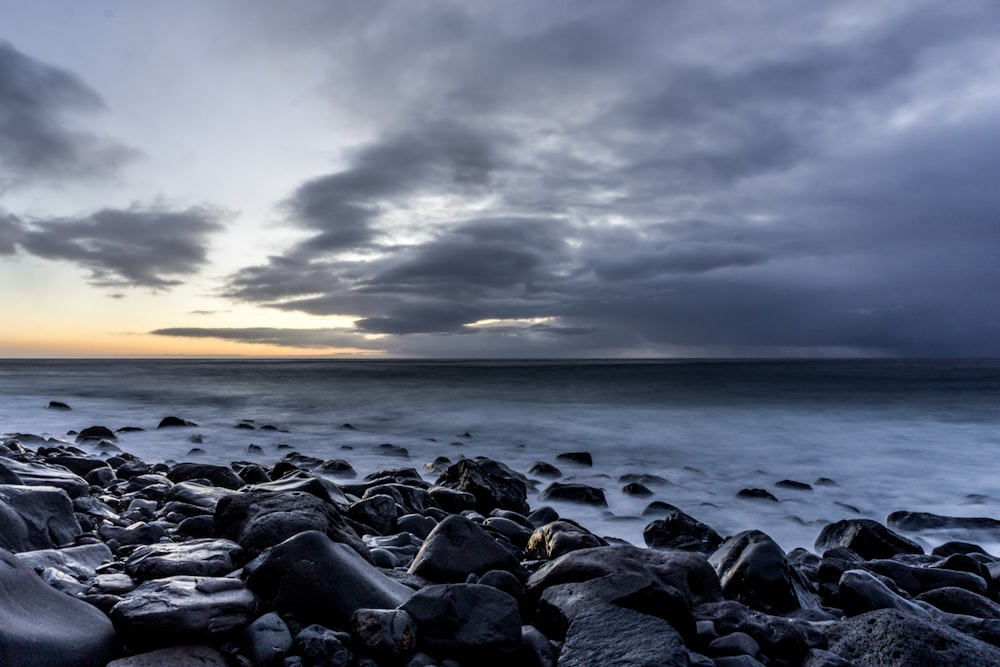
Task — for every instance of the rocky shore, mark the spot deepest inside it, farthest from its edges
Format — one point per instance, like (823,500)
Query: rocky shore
(106,559)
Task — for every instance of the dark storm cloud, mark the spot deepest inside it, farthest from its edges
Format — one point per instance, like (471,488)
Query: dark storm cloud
(659,178)
(301,338)
(37,140)
(132,247)
(10,233)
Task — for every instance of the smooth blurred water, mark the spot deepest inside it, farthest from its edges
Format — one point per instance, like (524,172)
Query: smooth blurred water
(920,436)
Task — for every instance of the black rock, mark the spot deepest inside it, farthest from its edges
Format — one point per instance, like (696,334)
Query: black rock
(320,581)
(678,530)
(915,580)
(57,405)
(753,570)
(494,484)
(961,601)
(465,620)
(583,458)
(543,469)
(560,537)
(609,635)
(510,530)
(636,489)
(260,519)
(457,547)
(36,518)
(43,627)
(792,484)
(954,547)
(378,512)
(322,646)
(39,474)
(388,449)
(170,422)
(690,573)
(452,500)
(869,539)
(861,592)
(575,493)
(916,521)
(306,482)
(220,476)
(96,433)
(338,468)
(386,633)
(200,557)
(267,639)
(891,638)
(645,479)
(756,494)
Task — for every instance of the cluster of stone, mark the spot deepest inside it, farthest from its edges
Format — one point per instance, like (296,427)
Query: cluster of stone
(108,560)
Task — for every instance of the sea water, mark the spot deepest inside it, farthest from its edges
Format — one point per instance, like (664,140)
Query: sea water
(892,435)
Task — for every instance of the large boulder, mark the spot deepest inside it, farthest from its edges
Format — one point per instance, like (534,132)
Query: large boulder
(915,580)
(961,601)
(861,591)
(465,620)
(41,627)
(78,562)
(202,558)
(892,638)
(300,480)
(690,573)
(678,530)
(37,474)
(560,537)
(494,484)
(869,539)
(261,519)
(220,476)
(321,581)
(754,570)
(36,517)
(609,635)
(179,609)
(458,547)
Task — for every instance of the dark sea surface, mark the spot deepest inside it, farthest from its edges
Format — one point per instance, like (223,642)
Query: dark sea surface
(893,435)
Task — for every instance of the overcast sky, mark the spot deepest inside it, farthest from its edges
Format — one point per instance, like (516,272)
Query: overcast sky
(480,179)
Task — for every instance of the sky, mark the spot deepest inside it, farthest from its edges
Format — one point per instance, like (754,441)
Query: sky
(584,178)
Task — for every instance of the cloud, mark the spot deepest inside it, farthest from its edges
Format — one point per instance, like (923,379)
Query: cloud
(128,247)
(10,232)
(37,139)
(309,339)
(651,178)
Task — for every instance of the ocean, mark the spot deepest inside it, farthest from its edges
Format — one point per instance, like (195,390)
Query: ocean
(892,435)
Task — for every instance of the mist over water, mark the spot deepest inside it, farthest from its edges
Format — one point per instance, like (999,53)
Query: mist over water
(893,435)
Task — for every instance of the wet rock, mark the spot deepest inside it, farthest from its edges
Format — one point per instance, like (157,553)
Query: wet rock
(917,521)
(260,519)
(510,530)
(609,635)
(560,537)
(543,469)
(96,433)
(321,581)
(915,580)
(207,497)
(465,620)
(139,532)
(388,449)
(220,476)
(756,494)
(417,524)
(955,547)
(678,530)
(457,547)
(582,458)
(300,480)
(37,474)
(753,569)
(174,609)
(536,649)
(793,485)
(452,500)
(559,605)
(387,633)
(58,405)
(961,601)
(201,557)
(188,655)
(690,573)
(338,468)
(861,591)
(645,479)
(869,539)
(575,493)
(80,562)
(42,627)
(78,465)
(636,489)
(493,484)
(320,645)
(267,639)
(734,644)
(172,422)
(377,511)
(35,517)
(892,638)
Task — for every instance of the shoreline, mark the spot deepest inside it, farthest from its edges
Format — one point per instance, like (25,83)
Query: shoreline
(168,556)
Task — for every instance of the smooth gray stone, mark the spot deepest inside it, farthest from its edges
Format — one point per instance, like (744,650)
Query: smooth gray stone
(138,533)
(609,635)
(220,476)
(165,610)
(465,619)
(37,474)
(79,562)
(175,656)
(36,517)
(321,581)
(861,591)
(754,570)
(41,627)
(197,494)
(916,580)
(267,638)
(892,638)
(869,539)
(202,558)
(300,480)
(457,547)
